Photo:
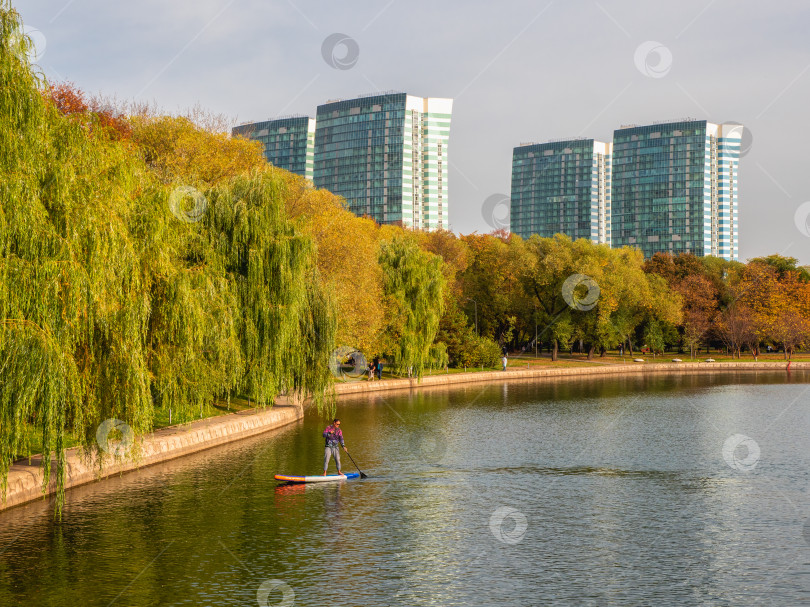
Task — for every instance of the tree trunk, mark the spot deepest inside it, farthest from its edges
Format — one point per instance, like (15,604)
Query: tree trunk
(629,347)
(591,348)
(553,350)
(602,352)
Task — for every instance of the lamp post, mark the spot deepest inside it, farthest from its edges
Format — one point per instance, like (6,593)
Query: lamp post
(476,313)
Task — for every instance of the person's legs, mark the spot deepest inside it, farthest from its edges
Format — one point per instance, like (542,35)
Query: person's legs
(337,459)
(326,455)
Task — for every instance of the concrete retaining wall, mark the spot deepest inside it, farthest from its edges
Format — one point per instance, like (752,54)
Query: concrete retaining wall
(25,479)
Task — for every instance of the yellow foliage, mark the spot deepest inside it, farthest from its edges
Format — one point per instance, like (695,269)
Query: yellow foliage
(347,260)
(178,151)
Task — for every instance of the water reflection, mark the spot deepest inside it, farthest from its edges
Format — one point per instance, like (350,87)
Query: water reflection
(600,491)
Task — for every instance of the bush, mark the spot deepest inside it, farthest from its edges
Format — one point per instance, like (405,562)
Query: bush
(477,351)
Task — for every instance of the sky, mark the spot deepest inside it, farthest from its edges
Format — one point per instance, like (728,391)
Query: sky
(518,71)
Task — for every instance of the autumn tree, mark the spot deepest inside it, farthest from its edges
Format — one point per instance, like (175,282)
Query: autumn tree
(179,151)
(414,287)
(593,293)
(735,327)
(71,101)
(117,297)
(490,285)
(699,297)
(347,250)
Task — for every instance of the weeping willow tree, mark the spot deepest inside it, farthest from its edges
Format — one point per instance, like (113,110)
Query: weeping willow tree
(113,301)
(72,306)
(288,322)
(413,283)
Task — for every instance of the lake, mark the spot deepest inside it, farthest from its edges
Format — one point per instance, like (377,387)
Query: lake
(633,490)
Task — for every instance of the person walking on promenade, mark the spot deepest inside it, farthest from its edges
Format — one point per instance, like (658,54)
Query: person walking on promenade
(371,371)
(334,438)
(504,361)
(379,369)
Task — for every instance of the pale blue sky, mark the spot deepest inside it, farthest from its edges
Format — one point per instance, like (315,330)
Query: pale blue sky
(518,71)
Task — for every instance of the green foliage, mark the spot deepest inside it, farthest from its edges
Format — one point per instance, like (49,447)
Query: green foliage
(111,304)
(438,356)
(654,337)
(414,284)
(465,348)
(477,351)
(624,295)
(784,265)
(285,317)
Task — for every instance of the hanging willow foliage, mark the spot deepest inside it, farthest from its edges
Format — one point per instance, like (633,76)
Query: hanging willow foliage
(73,309)
(287,323)
(414,283)
(110,305)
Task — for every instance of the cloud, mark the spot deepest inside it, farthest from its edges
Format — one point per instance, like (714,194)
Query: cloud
(518,74)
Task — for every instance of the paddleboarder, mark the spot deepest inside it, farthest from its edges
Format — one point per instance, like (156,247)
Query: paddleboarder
(334,438)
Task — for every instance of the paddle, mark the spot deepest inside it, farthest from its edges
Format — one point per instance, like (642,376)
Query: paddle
(362,474)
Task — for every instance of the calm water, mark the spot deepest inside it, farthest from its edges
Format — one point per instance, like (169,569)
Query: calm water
(596,492)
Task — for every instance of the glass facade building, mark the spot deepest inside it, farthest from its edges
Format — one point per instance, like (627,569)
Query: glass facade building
(674,188)
(387,156)
(289,143)
(562,187)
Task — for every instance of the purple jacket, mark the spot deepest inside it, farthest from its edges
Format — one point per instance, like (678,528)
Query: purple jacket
(333,436)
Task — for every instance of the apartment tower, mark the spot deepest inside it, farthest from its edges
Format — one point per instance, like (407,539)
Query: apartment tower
(562,187)
(386,154)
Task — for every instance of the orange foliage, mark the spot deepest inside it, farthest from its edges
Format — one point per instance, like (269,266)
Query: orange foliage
(71,101)
(68,99)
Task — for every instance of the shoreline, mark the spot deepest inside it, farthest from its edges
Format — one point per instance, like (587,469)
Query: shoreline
(25,477)
(362,386)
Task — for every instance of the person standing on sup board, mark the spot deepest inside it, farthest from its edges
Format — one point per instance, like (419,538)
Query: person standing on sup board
(334,437)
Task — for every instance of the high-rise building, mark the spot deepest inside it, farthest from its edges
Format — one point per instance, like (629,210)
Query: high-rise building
(289,143)
(562,187)
(386,155)
(674,188)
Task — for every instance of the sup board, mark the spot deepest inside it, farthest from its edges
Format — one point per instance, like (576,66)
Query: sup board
(288,478)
